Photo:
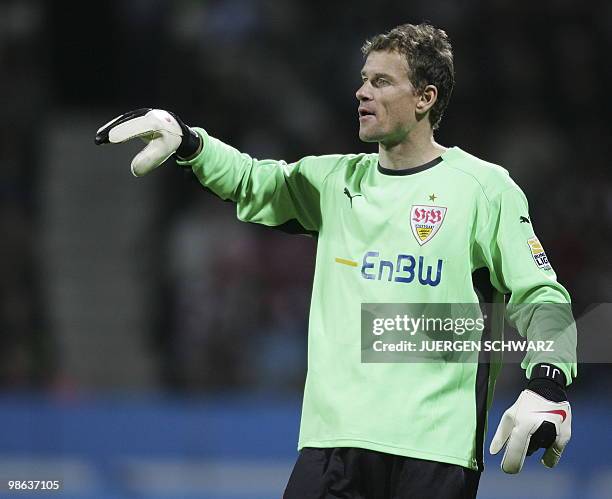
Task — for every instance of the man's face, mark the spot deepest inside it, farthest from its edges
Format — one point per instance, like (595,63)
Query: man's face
(387,99)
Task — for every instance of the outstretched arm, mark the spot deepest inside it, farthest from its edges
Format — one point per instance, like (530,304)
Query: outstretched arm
(269,192)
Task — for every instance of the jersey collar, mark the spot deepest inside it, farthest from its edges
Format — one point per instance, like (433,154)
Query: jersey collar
(410,171)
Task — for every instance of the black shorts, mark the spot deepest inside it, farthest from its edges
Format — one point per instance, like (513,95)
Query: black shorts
(350,473)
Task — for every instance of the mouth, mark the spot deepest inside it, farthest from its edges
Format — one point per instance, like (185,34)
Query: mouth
(365,113)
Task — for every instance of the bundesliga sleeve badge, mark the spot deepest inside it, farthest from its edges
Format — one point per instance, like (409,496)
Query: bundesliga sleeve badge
(425,221)
(538,253)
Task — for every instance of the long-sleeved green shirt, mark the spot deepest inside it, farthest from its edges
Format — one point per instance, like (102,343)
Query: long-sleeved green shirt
(413,237)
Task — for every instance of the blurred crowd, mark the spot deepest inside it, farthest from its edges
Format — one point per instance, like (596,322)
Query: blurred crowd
(278,79)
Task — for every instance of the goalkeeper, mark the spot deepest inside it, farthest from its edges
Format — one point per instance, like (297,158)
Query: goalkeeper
(408,224)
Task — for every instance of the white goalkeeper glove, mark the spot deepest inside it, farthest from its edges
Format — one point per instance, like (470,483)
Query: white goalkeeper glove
(540,418)
(163,131)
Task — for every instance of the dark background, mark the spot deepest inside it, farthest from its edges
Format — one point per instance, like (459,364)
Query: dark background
(115,286)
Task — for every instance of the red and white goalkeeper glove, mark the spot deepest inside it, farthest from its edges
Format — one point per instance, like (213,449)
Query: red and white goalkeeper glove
(533,422)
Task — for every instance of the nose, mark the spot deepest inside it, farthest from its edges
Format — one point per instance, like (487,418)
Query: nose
(363,92)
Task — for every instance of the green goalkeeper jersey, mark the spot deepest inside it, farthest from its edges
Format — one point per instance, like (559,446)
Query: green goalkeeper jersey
(408,236)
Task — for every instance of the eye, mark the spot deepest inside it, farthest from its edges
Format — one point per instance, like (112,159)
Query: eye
(381,82)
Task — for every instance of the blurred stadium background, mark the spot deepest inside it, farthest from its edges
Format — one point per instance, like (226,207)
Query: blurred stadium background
(151,345)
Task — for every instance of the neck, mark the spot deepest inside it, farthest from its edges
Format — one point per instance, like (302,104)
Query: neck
(416,149)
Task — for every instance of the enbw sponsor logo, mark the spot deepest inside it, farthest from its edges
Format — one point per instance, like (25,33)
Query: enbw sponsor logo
(405,269)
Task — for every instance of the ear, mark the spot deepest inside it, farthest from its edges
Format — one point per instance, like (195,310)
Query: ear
(427,98)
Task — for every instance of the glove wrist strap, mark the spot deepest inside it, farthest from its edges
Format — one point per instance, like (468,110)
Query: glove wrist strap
(548,381)
(191,145)
(550,372)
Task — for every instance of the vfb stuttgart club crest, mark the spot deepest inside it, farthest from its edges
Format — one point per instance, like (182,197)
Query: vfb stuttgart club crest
(426,221)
